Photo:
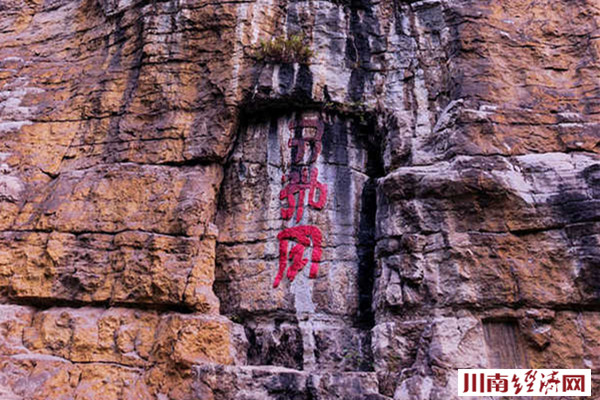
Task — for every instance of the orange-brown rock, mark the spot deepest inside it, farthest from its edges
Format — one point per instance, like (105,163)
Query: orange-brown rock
(124,336)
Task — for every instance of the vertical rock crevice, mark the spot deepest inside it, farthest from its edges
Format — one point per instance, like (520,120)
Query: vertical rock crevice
(367,236)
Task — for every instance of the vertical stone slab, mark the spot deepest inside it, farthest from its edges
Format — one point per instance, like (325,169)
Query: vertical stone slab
(505,345)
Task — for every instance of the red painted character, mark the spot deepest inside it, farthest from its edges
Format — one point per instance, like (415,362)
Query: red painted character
(550,384)
(298,185)
(530,377)
(573,382)
(497,383)
(517,384)
(312,137)
(303,235)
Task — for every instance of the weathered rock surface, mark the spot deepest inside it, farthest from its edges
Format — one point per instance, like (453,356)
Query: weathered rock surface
(142,151)
(254,383)
(118,353)
(129,337)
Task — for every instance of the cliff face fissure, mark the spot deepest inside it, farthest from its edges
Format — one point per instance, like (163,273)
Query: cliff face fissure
(368,231)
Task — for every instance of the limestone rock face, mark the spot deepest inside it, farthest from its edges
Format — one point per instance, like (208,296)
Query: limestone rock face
(182,217)
(270,383)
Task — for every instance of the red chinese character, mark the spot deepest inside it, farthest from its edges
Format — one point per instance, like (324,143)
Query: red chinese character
(474,381)
(301,136)
(530,379)
(517,384)
(574,382)
(497,383)
(303,235)
(551,383)
(298,185)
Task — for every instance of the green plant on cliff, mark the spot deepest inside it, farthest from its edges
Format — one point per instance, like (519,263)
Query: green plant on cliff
(293,49)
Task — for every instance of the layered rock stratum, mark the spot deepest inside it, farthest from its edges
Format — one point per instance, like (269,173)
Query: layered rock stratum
(153,161)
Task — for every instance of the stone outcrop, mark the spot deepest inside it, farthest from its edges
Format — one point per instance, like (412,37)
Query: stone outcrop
(282,383)
(152,165)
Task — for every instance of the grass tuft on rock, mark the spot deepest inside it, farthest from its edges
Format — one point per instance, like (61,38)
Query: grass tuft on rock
(284,50)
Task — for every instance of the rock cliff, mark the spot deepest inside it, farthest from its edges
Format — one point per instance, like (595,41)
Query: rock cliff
(183,216)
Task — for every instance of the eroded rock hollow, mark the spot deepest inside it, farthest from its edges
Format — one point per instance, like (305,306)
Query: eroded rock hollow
(187,213)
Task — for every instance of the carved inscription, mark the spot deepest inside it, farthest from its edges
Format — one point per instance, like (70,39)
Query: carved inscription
(300,182)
